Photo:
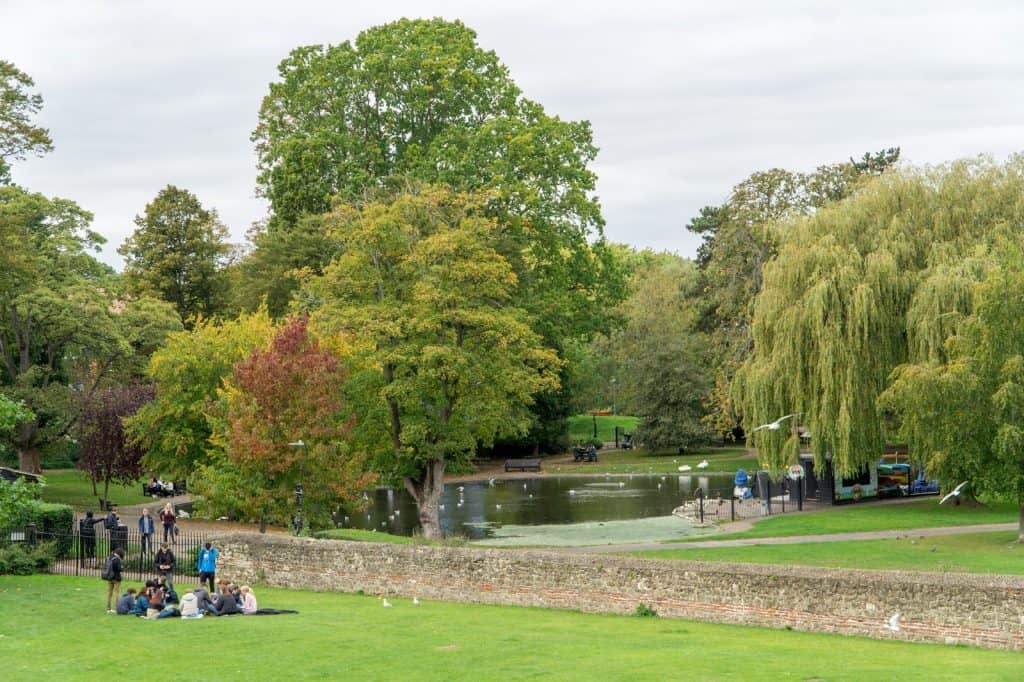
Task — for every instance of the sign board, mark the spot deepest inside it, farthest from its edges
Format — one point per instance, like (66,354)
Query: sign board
(796,472)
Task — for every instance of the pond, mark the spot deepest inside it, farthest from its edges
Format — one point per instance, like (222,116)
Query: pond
(550,510)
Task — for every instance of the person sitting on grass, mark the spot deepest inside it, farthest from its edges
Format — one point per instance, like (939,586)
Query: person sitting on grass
(226,603)
(203,600)
(249,605)
(190,606)
(141,605)
(126,603)
(156,599)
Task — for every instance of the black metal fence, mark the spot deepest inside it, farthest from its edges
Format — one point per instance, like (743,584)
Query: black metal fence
(82,554)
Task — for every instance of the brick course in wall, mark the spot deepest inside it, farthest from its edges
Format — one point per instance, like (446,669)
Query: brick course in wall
(953,608)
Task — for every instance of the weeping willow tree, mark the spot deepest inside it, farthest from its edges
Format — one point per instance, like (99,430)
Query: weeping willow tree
(877,281)
(964,413)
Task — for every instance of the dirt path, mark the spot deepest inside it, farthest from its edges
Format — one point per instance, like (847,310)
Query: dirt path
(795,539)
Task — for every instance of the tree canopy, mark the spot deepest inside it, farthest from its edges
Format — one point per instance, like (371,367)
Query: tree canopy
(442,358)
(18,135)
(876,281)
(177,253)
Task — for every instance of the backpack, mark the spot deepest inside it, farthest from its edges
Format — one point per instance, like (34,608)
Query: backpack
(108,569)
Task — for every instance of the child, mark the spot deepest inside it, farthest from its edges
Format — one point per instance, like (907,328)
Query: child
(249,605)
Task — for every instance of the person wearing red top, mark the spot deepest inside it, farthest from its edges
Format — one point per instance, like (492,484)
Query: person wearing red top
(168,518)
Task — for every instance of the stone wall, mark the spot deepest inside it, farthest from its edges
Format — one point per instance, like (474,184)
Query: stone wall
(980,610)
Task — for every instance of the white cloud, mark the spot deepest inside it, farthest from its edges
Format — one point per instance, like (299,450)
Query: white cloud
(686,98)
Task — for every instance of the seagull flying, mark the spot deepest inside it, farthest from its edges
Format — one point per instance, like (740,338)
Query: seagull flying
(894,623)
(775,425)
(953,494)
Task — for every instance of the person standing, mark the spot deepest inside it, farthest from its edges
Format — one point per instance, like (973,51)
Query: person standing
(146,531)
(112,574)
(207,565)
(168,518)
(87,537)
(165,561)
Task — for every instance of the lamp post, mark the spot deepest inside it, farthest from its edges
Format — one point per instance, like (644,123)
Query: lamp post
(298,486)
(613,397)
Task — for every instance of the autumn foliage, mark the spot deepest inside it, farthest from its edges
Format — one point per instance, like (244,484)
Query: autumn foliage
(289,392)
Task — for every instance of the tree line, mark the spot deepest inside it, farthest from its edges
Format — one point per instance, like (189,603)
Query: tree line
(432,281)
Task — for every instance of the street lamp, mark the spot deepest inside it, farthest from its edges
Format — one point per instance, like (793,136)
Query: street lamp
(298,487)
(613,397)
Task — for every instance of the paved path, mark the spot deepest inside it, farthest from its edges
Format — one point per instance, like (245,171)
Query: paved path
(799,539)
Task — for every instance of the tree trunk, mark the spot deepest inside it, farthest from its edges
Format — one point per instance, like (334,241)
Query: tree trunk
(29,460)
(1020,524)
(426,489)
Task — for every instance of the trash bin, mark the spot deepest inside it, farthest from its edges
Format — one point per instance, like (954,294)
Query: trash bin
(119,538)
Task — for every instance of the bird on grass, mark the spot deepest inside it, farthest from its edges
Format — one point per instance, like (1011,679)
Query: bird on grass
(893,624)
(415,601)
(775,425)
(686,467)
(703,464)
(954,494)
(387,604)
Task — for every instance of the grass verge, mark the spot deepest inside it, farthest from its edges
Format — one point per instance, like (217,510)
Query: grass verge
(923,513)
(996,553)
(73,487)
(45,620)
(643,462)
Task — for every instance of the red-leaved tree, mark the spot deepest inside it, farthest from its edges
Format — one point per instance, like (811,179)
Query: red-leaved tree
(288,393)
(106,454)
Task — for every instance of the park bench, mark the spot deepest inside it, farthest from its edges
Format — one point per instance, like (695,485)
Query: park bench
(522,465)
(180,488)
(587,454)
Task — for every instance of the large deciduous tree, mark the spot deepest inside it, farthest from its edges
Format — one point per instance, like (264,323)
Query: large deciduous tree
(177,253)
(18,135)
(876,281)
(740,237)
(421,100)
(64,331)
(107,455)
(187,371)
(290,392)
(443,358)
(961,407)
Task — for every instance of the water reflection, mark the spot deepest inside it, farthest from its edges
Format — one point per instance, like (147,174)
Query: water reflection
(475,508)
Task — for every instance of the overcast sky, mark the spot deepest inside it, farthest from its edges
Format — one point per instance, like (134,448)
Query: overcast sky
(686,98)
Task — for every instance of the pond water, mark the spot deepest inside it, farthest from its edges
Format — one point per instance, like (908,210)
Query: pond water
(549,510)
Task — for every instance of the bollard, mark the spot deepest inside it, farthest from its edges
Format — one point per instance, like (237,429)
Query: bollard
(701,498)
(732,508)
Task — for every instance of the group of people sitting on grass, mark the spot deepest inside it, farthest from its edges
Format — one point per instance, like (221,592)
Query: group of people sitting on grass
(158,599)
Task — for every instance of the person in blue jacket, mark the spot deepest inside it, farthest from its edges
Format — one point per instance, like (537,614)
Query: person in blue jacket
(146,531)
(207,565)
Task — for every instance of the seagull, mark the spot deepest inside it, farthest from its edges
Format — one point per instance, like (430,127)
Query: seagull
(460,488)
(621,484)
(571,491)
(391,518)
(498,507)
(415,601)
(346,519)
(703,464)
(953,494)
(524,486)
(490,482)
(387,604)
(442,507)
(398,512)
(775,425)
(894,623)
(686,467)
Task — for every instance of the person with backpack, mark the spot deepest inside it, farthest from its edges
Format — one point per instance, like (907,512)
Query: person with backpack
(165,561)
(112,574)
(207,565)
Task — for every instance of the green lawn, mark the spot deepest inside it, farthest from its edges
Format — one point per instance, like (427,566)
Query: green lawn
(641,462)
(581,427)
(969,553)
(359,535)
(71,486)
(923,513)
(55,628)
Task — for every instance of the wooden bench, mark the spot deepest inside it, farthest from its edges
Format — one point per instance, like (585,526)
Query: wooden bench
(522,465)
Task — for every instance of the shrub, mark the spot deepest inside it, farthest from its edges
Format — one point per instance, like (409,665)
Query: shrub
(22,559)
(56,521)
(645,611)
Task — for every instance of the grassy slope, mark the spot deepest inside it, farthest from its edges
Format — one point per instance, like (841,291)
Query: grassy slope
(55,628)
(641,462)
(70,486)
(971,553)
(581,427)
(923,513)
